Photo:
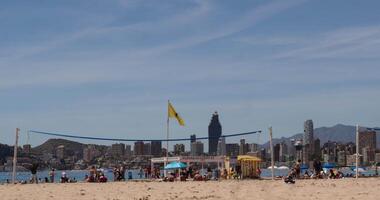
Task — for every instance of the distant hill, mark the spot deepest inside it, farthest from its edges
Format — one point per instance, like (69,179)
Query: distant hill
(338,133)
(51,145)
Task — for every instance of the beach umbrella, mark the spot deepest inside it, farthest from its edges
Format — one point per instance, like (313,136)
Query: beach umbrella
(359,169)
(304,166)
(329,165)
(175,165)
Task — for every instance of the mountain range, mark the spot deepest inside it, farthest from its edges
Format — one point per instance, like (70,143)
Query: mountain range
(338,133)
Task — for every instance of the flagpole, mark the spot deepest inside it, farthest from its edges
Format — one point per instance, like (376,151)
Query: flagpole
(167,140)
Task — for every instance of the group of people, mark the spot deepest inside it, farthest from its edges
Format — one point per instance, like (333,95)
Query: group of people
(95,176)
(317,173)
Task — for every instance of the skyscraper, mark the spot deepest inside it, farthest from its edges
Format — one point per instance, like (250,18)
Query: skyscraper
(243,148)
(367,145)
(222,146)
(118,150)
(147,149)
(138,149)
(367,139)
(156,148)
(214,133)
(308,141)
(193,138)
(196,148)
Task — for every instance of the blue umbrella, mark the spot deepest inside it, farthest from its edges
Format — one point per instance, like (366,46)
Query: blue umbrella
(304,166)
(329,165)
(175,165)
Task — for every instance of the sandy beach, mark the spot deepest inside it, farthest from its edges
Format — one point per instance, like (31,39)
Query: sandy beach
(247,189)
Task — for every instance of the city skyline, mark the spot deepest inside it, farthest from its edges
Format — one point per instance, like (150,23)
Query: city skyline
(108,68)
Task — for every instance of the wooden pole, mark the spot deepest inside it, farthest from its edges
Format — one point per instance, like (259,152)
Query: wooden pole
(357,152)
(271,151)
(15,157)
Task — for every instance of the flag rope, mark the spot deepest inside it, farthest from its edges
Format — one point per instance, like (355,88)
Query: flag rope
(135,140)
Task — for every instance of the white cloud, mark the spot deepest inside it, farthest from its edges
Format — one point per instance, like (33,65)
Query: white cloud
(353,42)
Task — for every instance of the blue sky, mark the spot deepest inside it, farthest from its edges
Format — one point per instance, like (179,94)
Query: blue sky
(107,68)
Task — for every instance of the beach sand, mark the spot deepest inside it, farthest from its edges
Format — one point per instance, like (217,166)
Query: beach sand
(366,188)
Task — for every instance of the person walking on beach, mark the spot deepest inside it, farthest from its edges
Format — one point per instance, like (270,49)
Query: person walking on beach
(317,168)
(33,169)
(297,168)
(52,175)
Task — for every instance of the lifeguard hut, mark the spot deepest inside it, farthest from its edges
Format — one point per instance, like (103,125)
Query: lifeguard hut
(249,166)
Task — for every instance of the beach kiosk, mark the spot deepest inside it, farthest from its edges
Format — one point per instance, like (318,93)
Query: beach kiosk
(249,166)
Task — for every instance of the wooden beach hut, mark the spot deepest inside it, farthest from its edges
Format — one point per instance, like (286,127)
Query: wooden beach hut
(249,166)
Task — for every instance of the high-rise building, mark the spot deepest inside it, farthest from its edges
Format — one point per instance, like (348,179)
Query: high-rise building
(179,149)
(196,148)
(214,133)
(341,158)
(147,149)
(117,150)
(232,150)
(128,151)
(138,149)
(243,148)
(317,149)
(276,152)
(156,148)
(253,147)
(263,154)
(283,152)
(367,139)
(367,145)
(193,138)
(221,146)
(308,141)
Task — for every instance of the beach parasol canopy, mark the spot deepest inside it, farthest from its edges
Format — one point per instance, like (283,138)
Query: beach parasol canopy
(304,166)
(359,169)
(175,165)
(329,165)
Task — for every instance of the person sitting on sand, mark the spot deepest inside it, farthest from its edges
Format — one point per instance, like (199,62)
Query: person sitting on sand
(306,175)
(102,178)
(332,174)
(197,176)
(258,172)
(291,176)
(64,178)
(85,178)
(170,178)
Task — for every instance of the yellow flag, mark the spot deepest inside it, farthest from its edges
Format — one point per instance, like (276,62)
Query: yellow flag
(173,114)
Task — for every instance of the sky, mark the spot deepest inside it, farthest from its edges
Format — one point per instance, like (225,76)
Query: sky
(108,68)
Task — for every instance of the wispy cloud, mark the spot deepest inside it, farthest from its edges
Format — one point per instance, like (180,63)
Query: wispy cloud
(353,42)
(93,69)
